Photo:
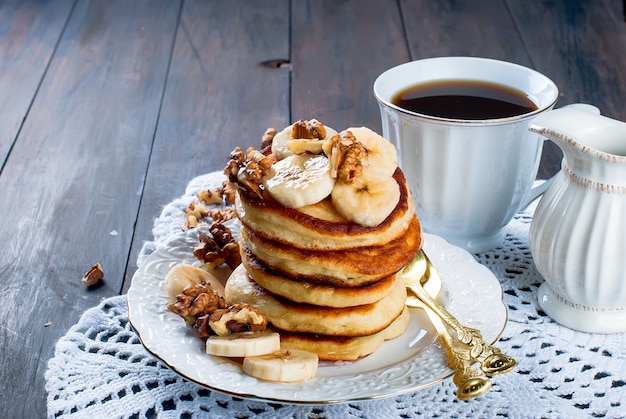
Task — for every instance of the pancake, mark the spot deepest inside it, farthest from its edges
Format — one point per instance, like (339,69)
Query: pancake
(342,268)
(339,348)
(286,315)
(307,292)
(297,228)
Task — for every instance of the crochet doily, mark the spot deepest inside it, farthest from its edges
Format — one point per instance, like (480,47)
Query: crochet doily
(100,368)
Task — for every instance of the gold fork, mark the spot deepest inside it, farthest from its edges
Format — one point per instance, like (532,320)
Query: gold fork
(470,381)
(419,276)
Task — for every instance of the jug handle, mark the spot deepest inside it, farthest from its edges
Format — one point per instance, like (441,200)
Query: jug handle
(539,190)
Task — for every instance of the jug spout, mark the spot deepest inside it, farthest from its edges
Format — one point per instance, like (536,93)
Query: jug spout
(594,146)
(585,131)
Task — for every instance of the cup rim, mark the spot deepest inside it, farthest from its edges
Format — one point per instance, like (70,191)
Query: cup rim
(456,121)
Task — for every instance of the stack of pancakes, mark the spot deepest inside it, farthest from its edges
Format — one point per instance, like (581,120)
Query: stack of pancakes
(327,285)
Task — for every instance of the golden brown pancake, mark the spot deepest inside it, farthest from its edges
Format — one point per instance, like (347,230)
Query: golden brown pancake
(300,291)
(284,314)
(342,348)
(342,268)
(296,227)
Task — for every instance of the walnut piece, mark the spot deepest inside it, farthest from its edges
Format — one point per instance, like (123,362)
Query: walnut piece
(235,162)
(237,318)
(345,154)
(93,276)
(218,248)
(194,212)
(209,197)
(201,328)
(222,214)
(308,129)
(229,192)
(197,300)
(247,170)
(307,137)
(221,234)
(268,137)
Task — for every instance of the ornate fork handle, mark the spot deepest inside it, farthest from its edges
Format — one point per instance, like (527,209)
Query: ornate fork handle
(470,381)
(493,361)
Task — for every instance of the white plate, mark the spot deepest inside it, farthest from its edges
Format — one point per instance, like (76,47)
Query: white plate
(410,362)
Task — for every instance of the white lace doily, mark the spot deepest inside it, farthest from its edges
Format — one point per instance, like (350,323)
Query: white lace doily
(100,369)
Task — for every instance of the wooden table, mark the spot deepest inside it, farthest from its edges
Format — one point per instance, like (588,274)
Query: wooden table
(109,108)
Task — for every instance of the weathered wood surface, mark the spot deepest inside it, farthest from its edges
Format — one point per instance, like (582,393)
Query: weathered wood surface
(108,109)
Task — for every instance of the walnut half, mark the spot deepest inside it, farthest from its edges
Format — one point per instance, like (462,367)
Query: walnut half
(218,248)
(308,129)
(345,154)
(237,318)
(247,170)
(197,300)
(93,276)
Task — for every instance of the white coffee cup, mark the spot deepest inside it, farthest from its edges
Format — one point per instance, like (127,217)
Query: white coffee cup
(468,177)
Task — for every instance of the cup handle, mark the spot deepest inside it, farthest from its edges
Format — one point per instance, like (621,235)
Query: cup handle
(538,190)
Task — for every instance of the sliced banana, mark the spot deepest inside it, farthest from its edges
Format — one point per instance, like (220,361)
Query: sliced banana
(369,199)
(379,153)
(243,344)
(300,180)
(287,365)
(280,147)
(181,275)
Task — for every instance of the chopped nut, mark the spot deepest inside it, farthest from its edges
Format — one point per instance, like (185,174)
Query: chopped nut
(201,327)
(222,214)
(209,197)
(229,192)
(231,254)
(218,248)
(236,160)
(257,164)
(197,300)
(307,137)
(221,234)
(345,154)
(197,209)
(93,276)
(237,318)
(194,213)
(246,171)
(308,129)
(268,137)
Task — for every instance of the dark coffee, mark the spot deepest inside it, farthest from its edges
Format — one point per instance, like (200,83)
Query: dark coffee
(464,99)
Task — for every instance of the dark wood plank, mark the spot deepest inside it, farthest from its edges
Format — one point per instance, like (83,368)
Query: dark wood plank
(449,28)
(218,96)
(580,45)
(338,50)
(29,32)
(74,178)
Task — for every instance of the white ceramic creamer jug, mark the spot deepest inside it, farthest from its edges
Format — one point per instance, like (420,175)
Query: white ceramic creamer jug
(578,232)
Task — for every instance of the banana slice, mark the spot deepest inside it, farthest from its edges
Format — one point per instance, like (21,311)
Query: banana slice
(300,180)
(287,365)
(243,344)
(280,147)
(379,153)
(181,275)
(369,199)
